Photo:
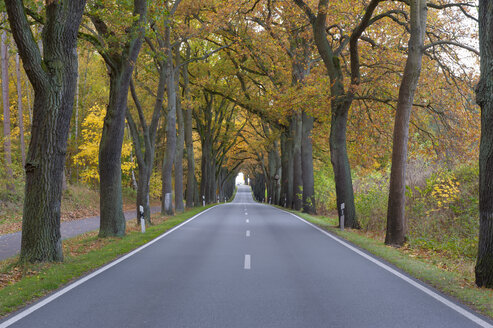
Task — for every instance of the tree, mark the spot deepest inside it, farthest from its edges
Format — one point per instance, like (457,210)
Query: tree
(396,218)
(180,139)
(484,265)
(7,148)
(120,53)
(53,77)
(341,99)
(19,108)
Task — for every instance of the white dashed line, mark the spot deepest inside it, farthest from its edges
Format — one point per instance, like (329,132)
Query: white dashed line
(247,221)
(248,233)
(247,265)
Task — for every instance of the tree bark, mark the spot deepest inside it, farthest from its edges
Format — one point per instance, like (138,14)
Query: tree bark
(484,92)
(180,140)
(167,172)
(7,146)
(287,169)
(53,77)
(341,101)
(188,126)
(396,218)
(307,164)
(208,167)
(20,110)
(120,65)
(145,153)
(297,168)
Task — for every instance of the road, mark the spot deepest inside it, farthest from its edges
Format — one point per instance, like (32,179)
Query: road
(10,244)
(247,265)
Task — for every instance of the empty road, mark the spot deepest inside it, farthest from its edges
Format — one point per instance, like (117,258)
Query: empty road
(245,264)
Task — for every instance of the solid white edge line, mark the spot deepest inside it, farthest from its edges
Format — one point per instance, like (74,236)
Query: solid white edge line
(71,286)
(410,281)
(248,262)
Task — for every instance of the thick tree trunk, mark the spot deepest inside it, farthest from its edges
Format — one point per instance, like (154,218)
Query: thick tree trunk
(143,184)
(396,218)
(275,173)
(54,81)
(7,148)
(180,140)
(208,167)
(20,110)
(307,164)
(287,169)
(484,265)
(191,180)
(297,168)
(179,160)
(120,64)
(112,220)
(167,172)
(188,128)
(340,165)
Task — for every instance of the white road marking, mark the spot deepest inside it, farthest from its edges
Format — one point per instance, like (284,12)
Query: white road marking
(247,265)
(53,297)
(248,233)
(410,281)
(247,221)
(246,213)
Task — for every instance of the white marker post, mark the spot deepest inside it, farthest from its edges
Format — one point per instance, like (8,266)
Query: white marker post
(142,219)
(341,220)
(203,200)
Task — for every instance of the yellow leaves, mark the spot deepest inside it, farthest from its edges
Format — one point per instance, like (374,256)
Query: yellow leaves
(445,191)
(88,156)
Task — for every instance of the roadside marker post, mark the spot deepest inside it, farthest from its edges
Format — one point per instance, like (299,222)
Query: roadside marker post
(142,219)
(203,200)
(341,221)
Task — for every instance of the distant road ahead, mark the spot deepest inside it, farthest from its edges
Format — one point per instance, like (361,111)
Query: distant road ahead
(245,264)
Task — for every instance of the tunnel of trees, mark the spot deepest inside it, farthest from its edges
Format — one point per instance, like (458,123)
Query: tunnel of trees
(327,107)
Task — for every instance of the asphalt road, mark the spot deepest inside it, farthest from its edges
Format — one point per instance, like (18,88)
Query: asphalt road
(247,265)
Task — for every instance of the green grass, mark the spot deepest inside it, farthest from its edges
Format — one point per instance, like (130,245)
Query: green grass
(41,279)
(451,283)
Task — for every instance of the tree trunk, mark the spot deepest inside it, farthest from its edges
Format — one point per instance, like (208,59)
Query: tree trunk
(143,186)
(188,125)
(54,81)
(307,164)
(297,168)
(112,220)
(484,92)
(120,64)
(340,165)
(287,169)
(396,218)
(180,141)
(208,167)
(192,190)
(7,149)
(20,111)
(167,173)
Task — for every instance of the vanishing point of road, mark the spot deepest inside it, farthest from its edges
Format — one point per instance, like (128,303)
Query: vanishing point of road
(245,264)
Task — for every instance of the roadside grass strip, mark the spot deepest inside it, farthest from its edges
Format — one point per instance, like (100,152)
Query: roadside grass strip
(447,282)
(83,254)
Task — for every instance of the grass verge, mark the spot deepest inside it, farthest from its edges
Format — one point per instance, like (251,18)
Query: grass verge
(20,285)
(459,285)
